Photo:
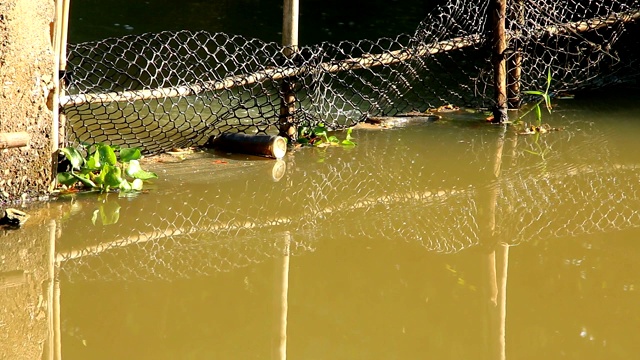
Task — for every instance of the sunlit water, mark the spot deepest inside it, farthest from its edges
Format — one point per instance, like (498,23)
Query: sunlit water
(443,240)
(450,239)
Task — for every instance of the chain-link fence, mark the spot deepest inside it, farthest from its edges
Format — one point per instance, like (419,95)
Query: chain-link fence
(176,89)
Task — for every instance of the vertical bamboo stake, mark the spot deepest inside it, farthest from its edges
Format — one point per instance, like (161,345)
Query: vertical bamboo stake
(498,14)
(290,48)
(54,102)
(59,64)
(515,64)
(62,137)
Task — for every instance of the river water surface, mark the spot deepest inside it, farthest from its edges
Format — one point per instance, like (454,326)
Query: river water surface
(449,239)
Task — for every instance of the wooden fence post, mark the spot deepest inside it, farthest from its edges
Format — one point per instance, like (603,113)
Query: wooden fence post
(58,136)
(498,11)
(515,63)
(287,126)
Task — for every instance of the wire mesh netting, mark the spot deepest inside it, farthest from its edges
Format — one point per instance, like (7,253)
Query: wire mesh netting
(176,89)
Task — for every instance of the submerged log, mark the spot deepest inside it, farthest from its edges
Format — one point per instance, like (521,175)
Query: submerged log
(262,145)
(13,140)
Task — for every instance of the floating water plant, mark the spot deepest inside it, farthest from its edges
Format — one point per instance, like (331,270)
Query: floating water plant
(319,136)
(102,170)
(544,97)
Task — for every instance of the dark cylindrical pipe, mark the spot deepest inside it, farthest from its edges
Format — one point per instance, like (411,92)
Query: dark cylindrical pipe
(262,145)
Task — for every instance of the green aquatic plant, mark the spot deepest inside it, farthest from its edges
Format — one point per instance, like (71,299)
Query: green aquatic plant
(544,97)
(108,211)
(538,128)
(319,136)
(102,170)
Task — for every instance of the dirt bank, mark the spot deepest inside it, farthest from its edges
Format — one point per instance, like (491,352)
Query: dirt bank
(26,66)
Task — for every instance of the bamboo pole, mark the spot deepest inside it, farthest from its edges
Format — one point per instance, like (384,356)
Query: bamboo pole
(59,40)
(499,44)
(515,62)
(291,12)
(14,140)
(54,103)
(371,60)
(62,68)
(290,15)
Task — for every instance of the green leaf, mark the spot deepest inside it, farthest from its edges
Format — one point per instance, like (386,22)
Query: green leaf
(135,171)
(109,212)
(136,185)
(107,155)
(320,130)
(66,178)
(302,140)
(84,179)
(128,154)
(348,143)
(349,135)
(93,162)
(125,186)
(74,157)
(533,92)
(112,176)
(538,114)
(548,80)
(303,131)
(99,179)
(334,139)
(547,100)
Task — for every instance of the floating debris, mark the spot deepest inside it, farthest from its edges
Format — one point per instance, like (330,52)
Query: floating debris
(445,109)
(542,129)
(13,218)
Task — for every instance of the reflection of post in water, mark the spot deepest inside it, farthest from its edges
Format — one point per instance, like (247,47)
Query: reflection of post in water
(497,260)
(283,300)
(54,343)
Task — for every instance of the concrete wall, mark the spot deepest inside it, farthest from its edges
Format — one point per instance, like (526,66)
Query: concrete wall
(26,72)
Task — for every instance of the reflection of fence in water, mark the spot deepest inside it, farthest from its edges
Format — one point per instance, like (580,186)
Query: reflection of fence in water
(224,227)
(584,201)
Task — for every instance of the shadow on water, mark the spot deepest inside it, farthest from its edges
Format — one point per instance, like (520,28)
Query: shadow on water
(396,248)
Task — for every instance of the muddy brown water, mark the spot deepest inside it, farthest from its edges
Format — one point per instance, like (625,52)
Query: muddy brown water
(450,239)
